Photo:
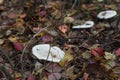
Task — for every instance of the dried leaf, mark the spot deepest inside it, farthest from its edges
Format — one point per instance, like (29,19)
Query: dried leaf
(23,15)
(42,14)
(85,77)
(109,56)
(100,51)
(1,1)
(117,52)
(94,53)
(1,59)
(86,55)
(47,38)
(1,41)
(31,77)
(18,46)
(111,63)
(54,76)
(68,57)
(13,38)
(63,28)
(53,68)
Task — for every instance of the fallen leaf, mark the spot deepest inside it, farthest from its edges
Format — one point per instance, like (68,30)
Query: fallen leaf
(85,77)
(94,53)
(31,77)
(63,28)
(12,15)
(1,41)
(1,59)
(68,57)
(100,51)
(53,68)
(47,38)
(18,46)
(42,14)
(111,63)
(1,1)
(109,56)
(86,55)
(23,15)
(117,52)
(54,76)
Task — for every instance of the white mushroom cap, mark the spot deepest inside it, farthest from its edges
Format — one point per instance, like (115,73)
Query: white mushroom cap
(47,52)
(107,14)
(87,24)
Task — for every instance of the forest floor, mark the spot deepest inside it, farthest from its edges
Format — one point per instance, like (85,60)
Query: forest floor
(91,53)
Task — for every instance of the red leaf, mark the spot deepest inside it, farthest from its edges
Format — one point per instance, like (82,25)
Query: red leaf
(18,46)
(99,51)
(94,53)
(42,14)
(31,77)
(47,38)
(117,52)
(63,28)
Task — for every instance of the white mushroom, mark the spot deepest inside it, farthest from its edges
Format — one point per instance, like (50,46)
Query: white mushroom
(47,52)
(87,24)
(107,14)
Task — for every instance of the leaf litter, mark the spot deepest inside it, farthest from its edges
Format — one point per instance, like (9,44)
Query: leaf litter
(87,39)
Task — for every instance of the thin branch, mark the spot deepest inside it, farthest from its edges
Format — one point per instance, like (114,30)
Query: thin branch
(21,58)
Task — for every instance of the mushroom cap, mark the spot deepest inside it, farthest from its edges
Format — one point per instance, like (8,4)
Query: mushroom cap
(107,14)
(87,24)
(47,52)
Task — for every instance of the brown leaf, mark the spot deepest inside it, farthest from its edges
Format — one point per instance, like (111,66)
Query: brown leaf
(54,76)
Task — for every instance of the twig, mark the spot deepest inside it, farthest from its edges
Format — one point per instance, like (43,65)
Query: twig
(5,54)
(6,73)
(21,58)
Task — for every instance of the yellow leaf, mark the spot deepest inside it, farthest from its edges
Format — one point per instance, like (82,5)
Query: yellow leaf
(68,57)
(41,33)
(13,38)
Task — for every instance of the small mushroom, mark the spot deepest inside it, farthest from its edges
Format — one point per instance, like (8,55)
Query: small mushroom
(47,52)
(107,14)
(87,24)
